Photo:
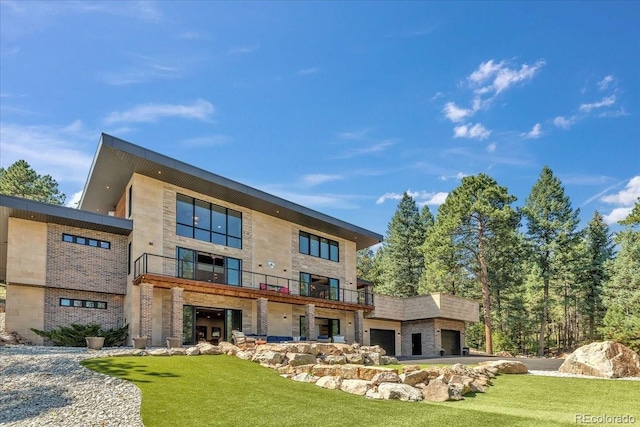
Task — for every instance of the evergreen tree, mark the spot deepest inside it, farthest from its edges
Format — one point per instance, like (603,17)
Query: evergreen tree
(21,180)
(403,261)
(599,250)
(365,268)
(476,217)
(622,290)
(551,231)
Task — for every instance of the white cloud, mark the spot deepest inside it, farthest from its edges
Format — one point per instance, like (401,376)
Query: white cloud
(239,50)
(606,102)
(72,202)
(52,150)
(625,199)
(476,131)
(604,83)
(492,147)
(616,113)
(459,175)
(357,135)
(197,110)
(143,69)
(376,147)
(307,71)
(317,179)
(563,122)
(500,77)
(421,197)
(535,132)
(455,113)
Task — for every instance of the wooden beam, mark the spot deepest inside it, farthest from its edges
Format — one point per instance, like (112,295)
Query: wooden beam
(189,285)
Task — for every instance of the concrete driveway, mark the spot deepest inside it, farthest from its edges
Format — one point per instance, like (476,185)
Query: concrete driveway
(532,363)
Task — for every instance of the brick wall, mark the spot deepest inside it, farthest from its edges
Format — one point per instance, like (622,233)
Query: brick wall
(86,268)
(428,336)
(55,315)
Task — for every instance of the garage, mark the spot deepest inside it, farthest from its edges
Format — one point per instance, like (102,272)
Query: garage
(385,338)
(451,342)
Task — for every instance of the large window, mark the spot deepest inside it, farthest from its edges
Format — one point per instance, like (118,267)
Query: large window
(86,241)
(310,244)
(312,285)
(325,328)
(205,221)
(208,267)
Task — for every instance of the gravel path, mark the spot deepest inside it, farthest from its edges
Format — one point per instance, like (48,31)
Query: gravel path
(46,386)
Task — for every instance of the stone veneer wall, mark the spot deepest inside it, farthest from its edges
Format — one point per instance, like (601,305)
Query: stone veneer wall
(86,268)
(55,315)
(424,327)
(454,325)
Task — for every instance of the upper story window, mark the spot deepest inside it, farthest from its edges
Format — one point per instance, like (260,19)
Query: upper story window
(318,246)
(86,241)
(313,285)
(208,267)
(205,221)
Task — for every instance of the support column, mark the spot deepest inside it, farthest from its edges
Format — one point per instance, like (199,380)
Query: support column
(310,320)
(359,326)
(177,302)
(263,321)
(146,311)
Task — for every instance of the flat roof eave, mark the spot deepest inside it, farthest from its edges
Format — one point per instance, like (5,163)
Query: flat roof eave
(117,160)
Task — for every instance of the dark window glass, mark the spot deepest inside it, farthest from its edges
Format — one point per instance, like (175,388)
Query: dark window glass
(90,304)
(93,243)
(183,230)
(334,289)
(234,243)
(324,248)
(184,210)
(219,223)
(65,302)
(102,305)
(304,243)
(130,200)
(202,234)
(129,256)
(234,223)
(186,263)
(220,239)
(314,245)
(333,251)
(233,271)
(67,238)
(77,303)
(105,245)
(81,240)
(202,217)
(305,278)
(303,326)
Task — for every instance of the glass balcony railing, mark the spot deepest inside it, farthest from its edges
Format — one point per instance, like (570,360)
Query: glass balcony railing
(208,273)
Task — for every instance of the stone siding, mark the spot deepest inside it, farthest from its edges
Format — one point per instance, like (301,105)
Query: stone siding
(26,261)
(428,337)
(86,268)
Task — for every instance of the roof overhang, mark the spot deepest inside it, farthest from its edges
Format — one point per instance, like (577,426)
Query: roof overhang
(17,207)
(117,160)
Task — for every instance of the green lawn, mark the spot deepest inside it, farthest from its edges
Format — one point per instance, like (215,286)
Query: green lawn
(227,391)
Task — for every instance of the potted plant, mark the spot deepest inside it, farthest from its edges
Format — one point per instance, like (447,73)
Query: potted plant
(174,342)
(95,343)
(140,342)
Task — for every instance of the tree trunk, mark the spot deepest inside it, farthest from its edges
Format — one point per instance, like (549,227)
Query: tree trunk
(486,298)
(543,321)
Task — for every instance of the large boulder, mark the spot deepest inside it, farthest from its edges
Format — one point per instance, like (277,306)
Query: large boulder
(268,357)
(329,382)
(507,366)
(605,359)
(206,348)
(299,359)
(436,391)
(358,387)
(395,391)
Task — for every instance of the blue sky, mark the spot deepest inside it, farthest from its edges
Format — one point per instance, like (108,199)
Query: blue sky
(340,107)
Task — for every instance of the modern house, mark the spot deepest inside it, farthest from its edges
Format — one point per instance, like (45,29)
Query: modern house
(172,250)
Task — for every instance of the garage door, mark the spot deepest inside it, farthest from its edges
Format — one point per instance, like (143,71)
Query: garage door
(385,338)
(451,341)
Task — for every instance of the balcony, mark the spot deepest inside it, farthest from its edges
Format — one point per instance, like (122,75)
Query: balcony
(218,279)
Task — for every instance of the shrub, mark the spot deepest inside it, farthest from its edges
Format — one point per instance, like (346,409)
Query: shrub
(75,334)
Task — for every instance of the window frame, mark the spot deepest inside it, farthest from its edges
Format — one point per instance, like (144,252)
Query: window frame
(216,225)
(317,246)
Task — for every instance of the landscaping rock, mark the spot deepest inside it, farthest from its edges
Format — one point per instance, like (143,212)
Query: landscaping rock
(304,378)
(388,360)
(422,376)
(298,359)
(404,392)
(506,366)
(193,351)
(329,382)
(410,368)
(358,387)
(368,372)
(334,360)
(372,358)
(373,394)
(244,355)
(269,357)
(436,391)
(386,377)
(178,351)
(355,358)
(606,359)
(160,352)
(206,348)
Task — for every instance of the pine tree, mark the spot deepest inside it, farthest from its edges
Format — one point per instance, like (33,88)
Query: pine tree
(403,261)
(365,268)
(476,217)
(599,250)
(21,180)
(551,231)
